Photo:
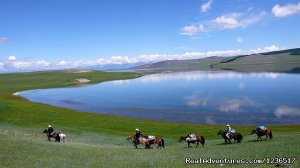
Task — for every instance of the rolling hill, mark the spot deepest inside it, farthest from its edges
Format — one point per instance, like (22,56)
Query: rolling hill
(276,61)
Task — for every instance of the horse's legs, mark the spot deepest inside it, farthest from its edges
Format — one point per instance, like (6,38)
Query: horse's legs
(197,144)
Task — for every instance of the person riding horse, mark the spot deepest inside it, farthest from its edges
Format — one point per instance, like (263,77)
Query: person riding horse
(261,128)
(50,130)
(137,137)
(229,131)
(191,137)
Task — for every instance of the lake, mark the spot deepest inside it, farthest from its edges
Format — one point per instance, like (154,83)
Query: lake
(194,97)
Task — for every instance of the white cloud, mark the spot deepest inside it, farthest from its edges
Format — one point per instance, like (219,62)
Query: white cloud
(192,29)
(3,40)
(228,21)
(1,65)
(240,40)
(235,20)
(283,111)
(289,9)
(206,6)
(12,58)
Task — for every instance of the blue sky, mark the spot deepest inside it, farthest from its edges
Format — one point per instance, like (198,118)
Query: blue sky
(55,34)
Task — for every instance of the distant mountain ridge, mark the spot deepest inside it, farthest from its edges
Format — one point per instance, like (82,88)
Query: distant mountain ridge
(275,61)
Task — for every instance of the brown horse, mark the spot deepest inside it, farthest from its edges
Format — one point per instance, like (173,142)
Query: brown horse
(148,142)
(260,133)
(54,135)
(157,140)
(199,138)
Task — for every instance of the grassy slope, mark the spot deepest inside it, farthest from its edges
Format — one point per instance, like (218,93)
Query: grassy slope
(278,61)
(101,138)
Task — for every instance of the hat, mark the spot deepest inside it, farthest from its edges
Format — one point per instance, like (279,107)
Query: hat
(227,125)
(137,129)
(49,125)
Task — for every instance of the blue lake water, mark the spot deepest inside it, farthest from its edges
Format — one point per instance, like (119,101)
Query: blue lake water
(196,97)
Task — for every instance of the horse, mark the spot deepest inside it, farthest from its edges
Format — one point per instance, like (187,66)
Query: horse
(236,136)
(199,138)
(147,142)
(143,141)
(156,140)
(260,133)
(54,135)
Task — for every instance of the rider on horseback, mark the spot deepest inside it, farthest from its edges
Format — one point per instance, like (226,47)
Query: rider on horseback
(50,130)
(261,128)
(137,137)
(229,131)
(191,137)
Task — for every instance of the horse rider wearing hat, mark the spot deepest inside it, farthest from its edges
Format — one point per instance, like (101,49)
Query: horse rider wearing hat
(137,137)
(50,130)
(228,130)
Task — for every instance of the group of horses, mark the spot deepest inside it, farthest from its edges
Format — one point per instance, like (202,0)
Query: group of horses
(237,137)
(145,140)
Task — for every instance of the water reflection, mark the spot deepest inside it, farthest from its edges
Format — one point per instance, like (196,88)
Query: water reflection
(199,97)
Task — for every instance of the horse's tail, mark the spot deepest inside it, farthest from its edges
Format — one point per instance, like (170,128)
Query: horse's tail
(163,143)
(203,140)
(239,137)
(271,135)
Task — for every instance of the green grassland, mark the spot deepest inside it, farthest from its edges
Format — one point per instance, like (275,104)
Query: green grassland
(95,140)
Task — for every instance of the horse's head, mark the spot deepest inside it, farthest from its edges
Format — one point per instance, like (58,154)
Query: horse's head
(220,132)
(129,138)
(253,132)
(181,138)
(45,131)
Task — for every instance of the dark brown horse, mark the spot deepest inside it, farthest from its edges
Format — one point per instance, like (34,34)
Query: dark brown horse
(236,136)
(54,135)
(260,133)
(145,140)
(199,138)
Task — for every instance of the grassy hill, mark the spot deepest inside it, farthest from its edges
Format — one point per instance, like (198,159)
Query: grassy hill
(277,61)
(95,140)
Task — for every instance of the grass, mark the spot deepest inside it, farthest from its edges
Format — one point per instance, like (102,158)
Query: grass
(99,140)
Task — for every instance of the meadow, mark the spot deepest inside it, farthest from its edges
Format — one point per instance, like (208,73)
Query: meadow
(95,140)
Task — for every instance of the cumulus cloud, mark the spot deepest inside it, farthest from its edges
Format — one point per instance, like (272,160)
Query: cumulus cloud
(235,20)
(284,111)
(3,40)
(228,21)
(289,9)
(12,58)
(206,6)
(192,29)
(1,65)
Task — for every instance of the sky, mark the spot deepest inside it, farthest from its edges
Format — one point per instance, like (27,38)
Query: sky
(58,34)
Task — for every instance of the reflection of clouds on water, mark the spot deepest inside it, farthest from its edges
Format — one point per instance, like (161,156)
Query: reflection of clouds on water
(271,75)
(199,75)
(241,86)
(194,101)
(234,105)
(284,111)
(210,120)
(120,82)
